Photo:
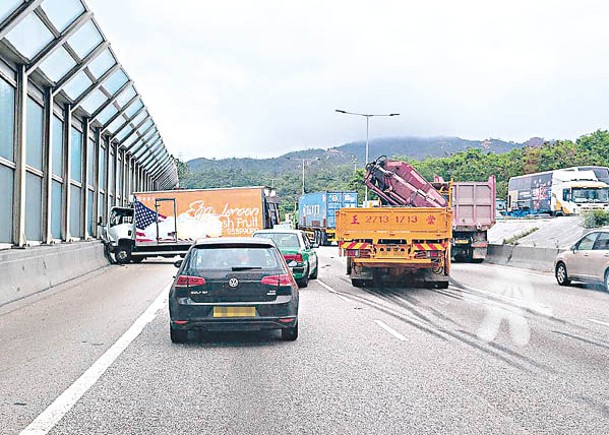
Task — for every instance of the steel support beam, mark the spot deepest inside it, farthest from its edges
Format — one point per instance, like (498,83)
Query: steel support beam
(47,233)
(96,181)
(115,175)
(19,211)
(67,137)
(84,193)
(106,185)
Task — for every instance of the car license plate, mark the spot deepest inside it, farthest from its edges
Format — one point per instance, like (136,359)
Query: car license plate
(234,311)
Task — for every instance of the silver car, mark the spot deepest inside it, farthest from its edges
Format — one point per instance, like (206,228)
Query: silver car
(586,261)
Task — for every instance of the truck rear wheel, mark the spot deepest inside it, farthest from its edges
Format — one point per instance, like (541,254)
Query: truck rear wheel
(357,283)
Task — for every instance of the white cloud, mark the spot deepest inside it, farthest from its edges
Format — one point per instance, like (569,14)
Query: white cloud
(261,78)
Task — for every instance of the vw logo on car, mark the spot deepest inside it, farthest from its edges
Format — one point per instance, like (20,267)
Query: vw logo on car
(233,283)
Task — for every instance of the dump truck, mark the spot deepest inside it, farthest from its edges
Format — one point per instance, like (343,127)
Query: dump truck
(407,238)
(474,212)
(166,223)
(317,213)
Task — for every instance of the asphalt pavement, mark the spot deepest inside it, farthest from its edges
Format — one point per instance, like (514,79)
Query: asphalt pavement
(502,350)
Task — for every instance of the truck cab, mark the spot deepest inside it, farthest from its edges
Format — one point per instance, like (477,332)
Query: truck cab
(120,233)
(574,197)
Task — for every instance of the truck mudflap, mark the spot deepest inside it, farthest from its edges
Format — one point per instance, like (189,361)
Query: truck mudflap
(479,254)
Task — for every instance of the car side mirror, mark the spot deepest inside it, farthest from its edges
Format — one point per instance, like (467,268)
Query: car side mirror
(573,248)
(178,263)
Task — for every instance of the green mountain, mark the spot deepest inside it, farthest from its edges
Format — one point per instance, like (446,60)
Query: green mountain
(325,169)
(351,153)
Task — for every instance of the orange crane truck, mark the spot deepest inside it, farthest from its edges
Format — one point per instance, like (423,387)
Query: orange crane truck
(408,238)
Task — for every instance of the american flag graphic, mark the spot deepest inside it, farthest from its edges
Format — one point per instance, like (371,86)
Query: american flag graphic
(144,217)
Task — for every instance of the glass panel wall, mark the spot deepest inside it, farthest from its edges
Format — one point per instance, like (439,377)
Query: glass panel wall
(102,168)
(76,155)
(33,206)
(90,218)
(102,207)
(56,209)
(57,147)
(33,149)
(7,119)
(91,162)
(75,215)
(6,204)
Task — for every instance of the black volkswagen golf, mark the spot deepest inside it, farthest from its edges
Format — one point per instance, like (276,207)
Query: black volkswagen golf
(233,284)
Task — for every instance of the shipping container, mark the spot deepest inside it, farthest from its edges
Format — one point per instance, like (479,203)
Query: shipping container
(317,213)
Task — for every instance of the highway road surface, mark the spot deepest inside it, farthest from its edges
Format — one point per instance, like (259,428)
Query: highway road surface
(501,351)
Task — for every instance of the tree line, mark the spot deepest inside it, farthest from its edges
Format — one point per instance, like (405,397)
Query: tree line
(469,165)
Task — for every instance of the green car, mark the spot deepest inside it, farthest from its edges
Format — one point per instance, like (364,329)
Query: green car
(297,251)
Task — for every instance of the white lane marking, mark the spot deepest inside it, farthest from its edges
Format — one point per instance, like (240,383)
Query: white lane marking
(390,330)
(326,286)
(598,321)
(344,299)
(331,290)
(66,400)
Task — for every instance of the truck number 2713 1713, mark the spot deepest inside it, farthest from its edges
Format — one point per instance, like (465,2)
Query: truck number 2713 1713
(387,219)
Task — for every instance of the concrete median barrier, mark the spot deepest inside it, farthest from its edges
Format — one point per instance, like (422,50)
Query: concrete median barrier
(25,272)
(526,257)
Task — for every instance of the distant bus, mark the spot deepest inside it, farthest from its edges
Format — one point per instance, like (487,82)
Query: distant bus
(560,193)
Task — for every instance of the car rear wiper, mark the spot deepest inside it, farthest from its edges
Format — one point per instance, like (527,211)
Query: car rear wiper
(237,268)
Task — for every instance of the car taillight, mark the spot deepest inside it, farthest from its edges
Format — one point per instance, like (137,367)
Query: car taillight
(293,257)
(279,280)
(189,281)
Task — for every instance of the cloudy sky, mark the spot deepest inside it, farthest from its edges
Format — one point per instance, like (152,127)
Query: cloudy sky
(260,78)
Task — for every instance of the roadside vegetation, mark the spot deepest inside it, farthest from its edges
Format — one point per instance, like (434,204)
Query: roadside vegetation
(596,218)
(478,165)
(514,239)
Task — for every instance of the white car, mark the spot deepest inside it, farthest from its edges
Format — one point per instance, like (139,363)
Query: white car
(586,261)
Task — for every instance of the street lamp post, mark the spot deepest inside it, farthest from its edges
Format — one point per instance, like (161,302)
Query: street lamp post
(367,116)
(303,163)
(306,160)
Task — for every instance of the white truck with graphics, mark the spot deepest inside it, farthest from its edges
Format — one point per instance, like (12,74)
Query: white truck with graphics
(166,223)
(559,193)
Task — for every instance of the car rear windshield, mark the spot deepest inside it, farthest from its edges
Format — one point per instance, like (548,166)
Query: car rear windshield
(262,257)
(282,240)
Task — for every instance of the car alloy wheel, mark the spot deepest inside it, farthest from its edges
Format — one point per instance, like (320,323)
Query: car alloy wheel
(561,274)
